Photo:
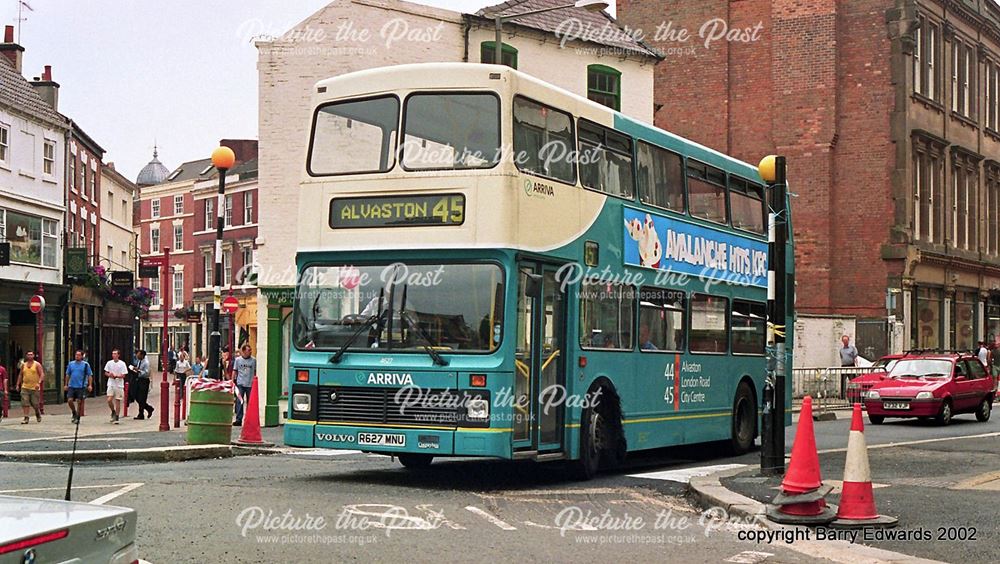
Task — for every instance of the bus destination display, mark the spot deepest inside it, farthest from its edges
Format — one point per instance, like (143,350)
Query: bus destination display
(397,211)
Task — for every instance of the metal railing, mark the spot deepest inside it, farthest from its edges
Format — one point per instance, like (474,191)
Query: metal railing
(826,386)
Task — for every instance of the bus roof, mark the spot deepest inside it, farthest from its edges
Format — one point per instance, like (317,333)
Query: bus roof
(461,75)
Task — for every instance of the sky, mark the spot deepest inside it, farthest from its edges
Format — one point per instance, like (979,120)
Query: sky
(178,73)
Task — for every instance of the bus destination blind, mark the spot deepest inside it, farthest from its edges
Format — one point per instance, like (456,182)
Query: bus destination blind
(397,211)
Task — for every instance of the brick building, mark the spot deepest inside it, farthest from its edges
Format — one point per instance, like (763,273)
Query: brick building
(611,68)
(888,113)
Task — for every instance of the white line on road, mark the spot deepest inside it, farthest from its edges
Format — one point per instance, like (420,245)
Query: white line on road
(106,498)
(684,475)
(908,443)
(491,518)
(750,557)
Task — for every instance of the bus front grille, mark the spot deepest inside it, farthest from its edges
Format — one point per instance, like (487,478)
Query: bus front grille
(387,406)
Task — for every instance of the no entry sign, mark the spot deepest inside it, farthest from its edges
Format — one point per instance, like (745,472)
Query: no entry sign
(230,305)
(36,304)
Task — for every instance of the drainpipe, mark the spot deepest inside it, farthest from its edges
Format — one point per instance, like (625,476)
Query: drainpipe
(467,25)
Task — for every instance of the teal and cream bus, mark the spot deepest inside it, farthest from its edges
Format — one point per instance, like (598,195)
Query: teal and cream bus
(491,266)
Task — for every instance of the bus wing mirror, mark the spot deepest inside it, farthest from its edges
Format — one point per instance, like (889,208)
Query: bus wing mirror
(533,286)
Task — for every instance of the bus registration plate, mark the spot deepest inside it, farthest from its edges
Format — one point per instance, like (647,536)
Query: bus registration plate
(381,439)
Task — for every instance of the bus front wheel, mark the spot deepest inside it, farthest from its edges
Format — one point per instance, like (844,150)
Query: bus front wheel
(744,427)
(413,461)
(593,440)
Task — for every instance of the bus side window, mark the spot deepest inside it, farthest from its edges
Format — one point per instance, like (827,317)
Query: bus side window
(543,141)
(749,322)
(660,177)
(605,160)
(706,192)
(708,324)
(747,204)
(607,316)
(661,319)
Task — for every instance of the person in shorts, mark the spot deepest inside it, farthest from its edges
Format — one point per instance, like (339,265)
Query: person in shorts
(79,383)
(29,384)
(115,370)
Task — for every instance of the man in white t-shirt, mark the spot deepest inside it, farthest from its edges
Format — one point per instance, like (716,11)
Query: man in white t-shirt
(115,370)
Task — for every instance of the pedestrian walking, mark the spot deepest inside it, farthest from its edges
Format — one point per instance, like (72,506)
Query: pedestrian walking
(79,383)
(3,387)
(848,352)
(29,384)
(115,371)
(171,359)
(983,354)
(245,367)
(181,370)
(198,367)
(140,369)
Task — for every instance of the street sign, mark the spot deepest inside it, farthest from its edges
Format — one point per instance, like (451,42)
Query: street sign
(76,261)
(152,261)
(191,316)
(230,305)
(149,267)
(36,304)
(122,280)
(5,253)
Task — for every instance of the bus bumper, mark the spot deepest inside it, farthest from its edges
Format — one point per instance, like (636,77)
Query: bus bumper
(391,440)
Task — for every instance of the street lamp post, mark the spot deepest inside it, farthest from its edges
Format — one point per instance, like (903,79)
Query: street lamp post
(223,159)
(589,5)
(772,455)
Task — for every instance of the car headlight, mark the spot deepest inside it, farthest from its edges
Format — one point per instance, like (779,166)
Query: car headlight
(301,402)
(477,409)
(874,395)
(925,395)
(853,386)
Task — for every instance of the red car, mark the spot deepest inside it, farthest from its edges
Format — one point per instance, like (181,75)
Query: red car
(936,386)
(859,386)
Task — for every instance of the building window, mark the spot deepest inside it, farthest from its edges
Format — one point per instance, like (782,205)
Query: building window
(93,183)
(926,332)
(247,265)
(928,190)
(154,286)
(178,289)
(227,267)
(964,201)
(49,158)
(111,253)
(124,262)
(209,267)
(72,173)
(963,78)
(604,86)
(992,208)
(660,177)
(209,214)
(228,221)
(247,208)
(605,160)
(124,216)
(4,143)
(487,54)
(178,205)
(926,53)
(963,320)
(154,210)
(992,96)
(32,239)
(178,237)
(154,239)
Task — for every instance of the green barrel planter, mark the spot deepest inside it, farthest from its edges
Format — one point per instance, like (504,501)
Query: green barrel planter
(210,420)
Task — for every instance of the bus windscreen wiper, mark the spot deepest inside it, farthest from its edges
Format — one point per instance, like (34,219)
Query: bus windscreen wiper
(428,346)
(375,319)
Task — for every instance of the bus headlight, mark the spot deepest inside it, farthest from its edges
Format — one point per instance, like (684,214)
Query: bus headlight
(301,402)
(477,409)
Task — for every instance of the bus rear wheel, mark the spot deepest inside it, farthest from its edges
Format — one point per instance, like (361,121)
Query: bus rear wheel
(744,428)
(414,461)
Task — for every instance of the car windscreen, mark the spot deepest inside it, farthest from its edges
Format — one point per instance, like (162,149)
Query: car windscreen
(921,368)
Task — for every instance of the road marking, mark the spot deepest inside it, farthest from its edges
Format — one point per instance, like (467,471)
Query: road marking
(749,557)
(84,439)
(491,518)
(684,475)
(908,443)
(124,490)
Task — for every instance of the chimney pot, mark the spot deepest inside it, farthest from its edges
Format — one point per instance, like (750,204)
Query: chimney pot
(8,34)
(47,73)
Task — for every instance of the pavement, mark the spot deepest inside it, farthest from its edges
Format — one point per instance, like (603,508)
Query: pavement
(933,479)
(52,439)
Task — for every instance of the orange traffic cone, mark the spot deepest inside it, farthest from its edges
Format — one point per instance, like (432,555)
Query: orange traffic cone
(250,432)
(857,502)
(801,500)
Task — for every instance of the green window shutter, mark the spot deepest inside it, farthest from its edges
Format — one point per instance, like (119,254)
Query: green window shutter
(508,54)
(604,86)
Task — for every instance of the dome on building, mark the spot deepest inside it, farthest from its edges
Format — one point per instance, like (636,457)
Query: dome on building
(153,173)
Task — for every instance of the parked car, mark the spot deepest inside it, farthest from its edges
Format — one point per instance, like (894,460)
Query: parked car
(48,530)
(859,385)
(936,386)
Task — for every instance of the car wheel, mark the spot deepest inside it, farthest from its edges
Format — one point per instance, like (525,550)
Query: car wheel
(985,410)
(744,420)
(944,417)
(414,461)
(876,419)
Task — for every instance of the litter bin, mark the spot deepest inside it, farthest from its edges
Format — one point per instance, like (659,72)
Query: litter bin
(210,419)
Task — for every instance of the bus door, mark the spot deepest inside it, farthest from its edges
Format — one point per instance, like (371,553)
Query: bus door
(539,380)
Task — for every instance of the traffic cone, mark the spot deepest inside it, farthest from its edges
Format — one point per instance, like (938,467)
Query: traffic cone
(801,500)
(857,502)
(250,432)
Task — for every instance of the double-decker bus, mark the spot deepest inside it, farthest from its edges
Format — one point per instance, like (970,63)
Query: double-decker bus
(491,266)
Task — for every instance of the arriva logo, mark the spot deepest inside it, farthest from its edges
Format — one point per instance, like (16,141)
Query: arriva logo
(390,379)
